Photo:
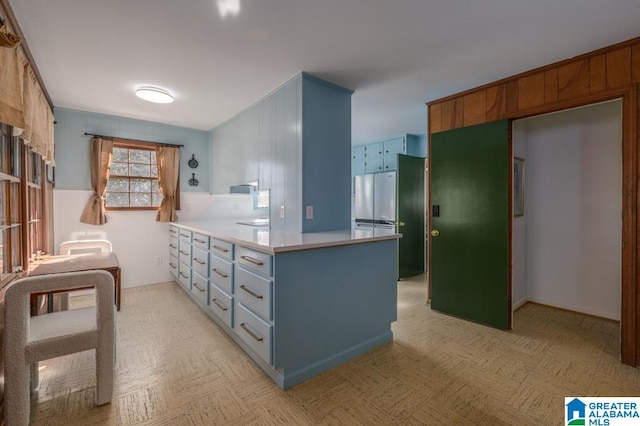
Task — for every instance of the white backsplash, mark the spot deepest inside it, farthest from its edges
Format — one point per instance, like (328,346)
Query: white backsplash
(198,206)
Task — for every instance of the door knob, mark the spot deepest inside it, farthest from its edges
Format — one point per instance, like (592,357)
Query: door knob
(435,233)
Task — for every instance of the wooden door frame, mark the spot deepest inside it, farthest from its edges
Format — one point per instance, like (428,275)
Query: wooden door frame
(629,342)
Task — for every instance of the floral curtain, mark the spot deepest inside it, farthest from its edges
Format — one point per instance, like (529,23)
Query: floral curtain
(94,212)
(168,159)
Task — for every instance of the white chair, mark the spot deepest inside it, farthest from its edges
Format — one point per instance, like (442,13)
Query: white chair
(80,247)
(85,246)
(28,339)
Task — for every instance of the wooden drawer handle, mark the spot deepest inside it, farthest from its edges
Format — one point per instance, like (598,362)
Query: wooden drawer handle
(252,260)
(198,240)
(183,275)
(185,235)
(219,305)
(251,333)
(173,246)
(184,252)
(220,273)
(172,265)
(256,295)
(173,231)
(198,287)
(195,259)
(222,249)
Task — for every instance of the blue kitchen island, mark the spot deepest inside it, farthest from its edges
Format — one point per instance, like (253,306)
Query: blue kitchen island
(298,304)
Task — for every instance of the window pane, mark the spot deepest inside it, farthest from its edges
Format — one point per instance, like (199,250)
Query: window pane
(139,170)
(153,157)
(154,186)
(120,154)
(118,185)
(16,147)
(3,148)
(3,201)
(117,199)
(139,156)
(140,199)
(119,169)
(3,251)
(157,199)
(16,248)
(15,203)
(140,185)
(154,170)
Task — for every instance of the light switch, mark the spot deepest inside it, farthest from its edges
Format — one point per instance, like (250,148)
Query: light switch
(282,212)
(309,212)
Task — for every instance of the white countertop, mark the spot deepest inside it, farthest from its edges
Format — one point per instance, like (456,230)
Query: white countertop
(265,239)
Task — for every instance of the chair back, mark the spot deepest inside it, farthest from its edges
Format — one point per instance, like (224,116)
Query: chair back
(85,246)
(28,339)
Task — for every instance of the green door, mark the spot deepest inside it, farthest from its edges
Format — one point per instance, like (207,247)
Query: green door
(410,207)
(469,262)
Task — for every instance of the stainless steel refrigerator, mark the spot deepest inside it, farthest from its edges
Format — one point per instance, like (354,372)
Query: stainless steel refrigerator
(375,200)
(395,201)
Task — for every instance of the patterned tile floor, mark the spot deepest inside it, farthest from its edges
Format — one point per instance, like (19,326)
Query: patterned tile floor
(176,367)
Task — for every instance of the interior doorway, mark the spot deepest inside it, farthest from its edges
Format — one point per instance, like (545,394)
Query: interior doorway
(567,246)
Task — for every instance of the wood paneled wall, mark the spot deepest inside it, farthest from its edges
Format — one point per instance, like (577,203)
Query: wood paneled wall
(552,86)
(604,74)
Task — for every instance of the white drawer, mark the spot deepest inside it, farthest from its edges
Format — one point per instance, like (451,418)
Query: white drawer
(254,331)
(173,231)
(184,276)
(199,287)
(201,241)
(173,247)
(184,235)
(200,261)
(173,266)
(254,260)
(184,252)
(221,274)
(221,248)
(221,304)
(254,292)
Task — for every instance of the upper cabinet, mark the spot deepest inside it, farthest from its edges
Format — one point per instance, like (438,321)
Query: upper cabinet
(296,142)
(383,156)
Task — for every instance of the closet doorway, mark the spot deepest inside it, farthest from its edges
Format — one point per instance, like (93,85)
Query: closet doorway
(567,244)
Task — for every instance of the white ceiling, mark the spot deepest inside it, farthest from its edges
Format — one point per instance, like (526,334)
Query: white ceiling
(395,54)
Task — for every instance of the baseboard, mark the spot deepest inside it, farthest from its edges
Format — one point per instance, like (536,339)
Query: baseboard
(519,304)
(558,308)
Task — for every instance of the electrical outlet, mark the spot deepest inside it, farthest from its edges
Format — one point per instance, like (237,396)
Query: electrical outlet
(282,212)
(159,260)
(309,212)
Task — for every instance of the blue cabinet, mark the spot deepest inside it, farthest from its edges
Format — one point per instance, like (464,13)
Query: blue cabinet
(383,156)
(357,153)
(288,140)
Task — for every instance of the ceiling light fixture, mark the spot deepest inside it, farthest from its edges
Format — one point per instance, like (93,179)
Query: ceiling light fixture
(154,94)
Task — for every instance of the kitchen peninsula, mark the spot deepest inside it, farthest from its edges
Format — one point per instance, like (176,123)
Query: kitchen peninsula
(298,304)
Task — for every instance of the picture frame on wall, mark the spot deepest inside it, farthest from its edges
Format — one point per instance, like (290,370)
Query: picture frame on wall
(518,186)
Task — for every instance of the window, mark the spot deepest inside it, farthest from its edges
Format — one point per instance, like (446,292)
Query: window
(35,216)
(133,179)
(10,204)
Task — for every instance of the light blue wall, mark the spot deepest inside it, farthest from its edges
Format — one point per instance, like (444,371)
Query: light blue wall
(326,155)
(72,146)
(423,147)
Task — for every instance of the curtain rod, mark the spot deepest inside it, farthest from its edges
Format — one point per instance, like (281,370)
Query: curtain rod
(134,140)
